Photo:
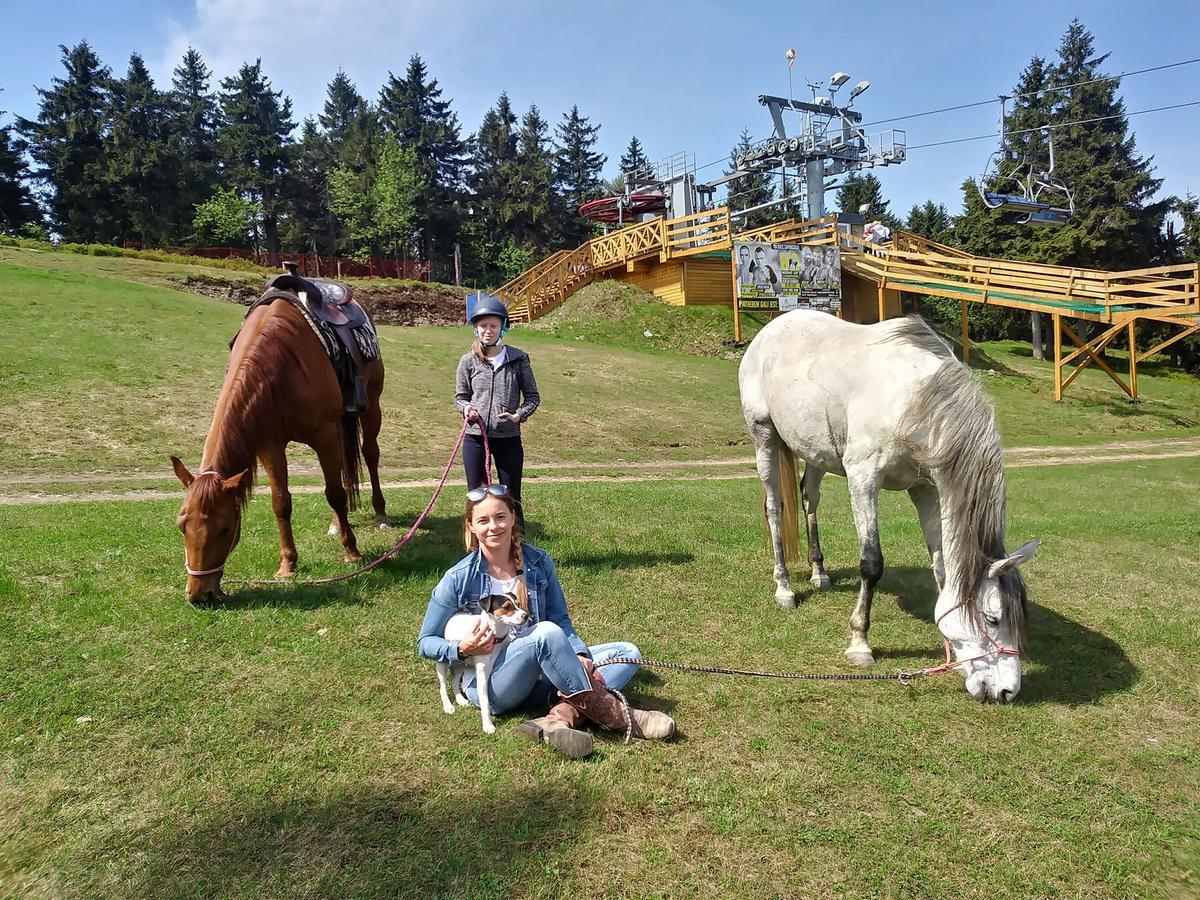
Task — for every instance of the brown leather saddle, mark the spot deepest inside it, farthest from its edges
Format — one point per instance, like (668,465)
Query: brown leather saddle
(331,302)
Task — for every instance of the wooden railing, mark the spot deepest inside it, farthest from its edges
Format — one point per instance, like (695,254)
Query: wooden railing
(546,285)
(628,244)
(699,233)
(907,262)
(565,273)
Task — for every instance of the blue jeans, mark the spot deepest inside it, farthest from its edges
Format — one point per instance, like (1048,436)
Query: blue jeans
(534,668)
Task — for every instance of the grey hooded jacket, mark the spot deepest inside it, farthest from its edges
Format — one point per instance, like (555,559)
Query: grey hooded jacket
(511,388)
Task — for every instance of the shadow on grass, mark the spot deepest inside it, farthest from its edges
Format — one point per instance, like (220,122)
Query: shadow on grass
(433,549)
(367,842)
(1076,664)
(618,560)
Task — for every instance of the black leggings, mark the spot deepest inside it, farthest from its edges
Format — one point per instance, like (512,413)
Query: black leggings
(508,456)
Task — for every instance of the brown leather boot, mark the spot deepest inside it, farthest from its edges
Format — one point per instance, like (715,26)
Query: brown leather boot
(560,728)
(603,707)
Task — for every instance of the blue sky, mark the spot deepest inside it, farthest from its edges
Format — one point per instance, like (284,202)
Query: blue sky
(682,77)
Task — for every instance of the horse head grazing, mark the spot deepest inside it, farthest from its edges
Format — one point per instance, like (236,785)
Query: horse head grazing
(211,522)
(981,607)
(986,631)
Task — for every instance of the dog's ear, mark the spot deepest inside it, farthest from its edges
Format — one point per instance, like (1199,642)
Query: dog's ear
(490,602)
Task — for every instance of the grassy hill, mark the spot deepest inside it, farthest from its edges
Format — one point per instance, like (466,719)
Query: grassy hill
(106,368)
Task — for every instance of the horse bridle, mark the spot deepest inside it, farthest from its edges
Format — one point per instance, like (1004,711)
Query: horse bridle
(998,649)
(187,566)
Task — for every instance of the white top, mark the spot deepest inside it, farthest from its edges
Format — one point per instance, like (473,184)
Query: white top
(499,359)
(504,586)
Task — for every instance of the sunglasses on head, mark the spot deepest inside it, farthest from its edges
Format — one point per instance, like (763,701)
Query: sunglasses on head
(496,490)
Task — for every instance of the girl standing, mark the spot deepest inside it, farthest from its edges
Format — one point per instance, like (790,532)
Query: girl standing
(495,390)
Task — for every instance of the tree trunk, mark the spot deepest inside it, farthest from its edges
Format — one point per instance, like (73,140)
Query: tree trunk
(1035,322)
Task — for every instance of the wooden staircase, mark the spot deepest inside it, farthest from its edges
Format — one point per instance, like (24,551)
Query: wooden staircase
(545,286)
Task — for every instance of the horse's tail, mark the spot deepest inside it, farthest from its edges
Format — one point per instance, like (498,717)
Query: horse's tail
(789,515)
(351,457)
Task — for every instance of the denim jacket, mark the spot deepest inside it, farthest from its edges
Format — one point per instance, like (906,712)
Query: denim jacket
(462,587)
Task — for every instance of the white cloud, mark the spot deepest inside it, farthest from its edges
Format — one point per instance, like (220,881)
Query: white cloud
(302,43)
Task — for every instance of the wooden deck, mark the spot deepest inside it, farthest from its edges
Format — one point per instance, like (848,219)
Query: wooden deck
(654,254)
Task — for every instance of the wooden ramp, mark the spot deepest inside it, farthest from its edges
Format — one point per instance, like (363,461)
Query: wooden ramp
(669,255)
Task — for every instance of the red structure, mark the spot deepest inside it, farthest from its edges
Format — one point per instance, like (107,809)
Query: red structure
(623,210)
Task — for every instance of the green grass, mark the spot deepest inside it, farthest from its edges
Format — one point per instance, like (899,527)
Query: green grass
(105,370)
(291,743)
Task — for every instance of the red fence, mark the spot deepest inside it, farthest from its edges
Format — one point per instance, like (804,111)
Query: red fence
(316,266)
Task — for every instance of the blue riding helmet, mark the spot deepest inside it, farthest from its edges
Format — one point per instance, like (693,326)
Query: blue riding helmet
(480,304)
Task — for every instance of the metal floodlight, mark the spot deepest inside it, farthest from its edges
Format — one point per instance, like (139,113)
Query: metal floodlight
(824,101)
(859,88)
(864,209)
(837,79)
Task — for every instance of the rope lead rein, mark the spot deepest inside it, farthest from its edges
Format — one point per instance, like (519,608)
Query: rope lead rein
(901,676)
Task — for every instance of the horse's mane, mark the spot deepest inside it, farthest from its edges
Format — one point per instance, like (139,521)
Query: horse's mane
(254,397)
(951,430)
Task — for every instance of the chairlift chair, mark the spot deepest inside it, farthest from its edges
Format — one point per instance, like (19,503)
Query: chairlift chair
(1030,204)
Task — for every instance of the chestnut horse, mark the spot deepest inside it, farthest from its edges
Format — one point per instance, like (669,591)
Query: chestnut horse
(279,387)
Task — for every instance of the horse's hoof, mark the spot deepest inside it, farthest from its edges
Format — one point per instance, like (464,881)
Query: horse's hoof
(334,530)
(860,658)
(283,574)
(352,557)
(384,525)
(820,582)
(786,599)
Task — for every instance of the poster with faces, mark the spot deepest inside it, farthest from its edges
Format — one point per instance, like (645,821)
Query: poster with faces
(784,277)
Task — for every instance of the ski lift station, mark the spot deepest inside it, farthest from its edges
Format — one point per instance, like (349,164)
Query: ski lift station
(665,235)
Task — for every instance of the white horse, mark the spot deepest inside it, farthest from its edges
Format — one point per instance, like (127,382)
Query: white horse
(888,406)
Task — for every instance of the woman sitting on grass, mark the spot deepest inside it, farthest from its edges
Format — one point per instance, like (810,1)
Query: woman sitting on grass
(544,662)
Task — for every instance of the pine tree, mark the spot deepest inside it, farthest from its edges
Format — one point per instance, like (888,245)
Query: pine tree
(142,169)
(17,206)
(634,162)
(534,211)
(857,191)
(931,220)
(310,224)
(413,110)
(1116,225)
(343,106)
(577,173)
(66,143)
(750,190)
(494,178)
(193,136)
(255,136)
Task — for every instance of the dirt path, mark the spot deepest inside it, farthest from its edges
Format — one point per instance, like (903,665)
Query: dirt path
(624,472)
(1066,453)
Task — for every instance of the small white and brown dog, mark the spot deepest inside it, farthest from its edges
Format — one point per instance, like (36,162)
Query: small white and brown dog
(504,615)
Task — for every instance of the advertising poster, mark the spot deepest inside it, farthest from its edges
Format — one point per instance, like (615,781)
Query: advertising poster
(784,277)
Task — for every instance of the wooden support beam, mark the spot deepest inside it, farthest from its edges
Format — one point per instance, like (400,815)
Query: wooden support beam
(1058,385)
(1133,358)
(1092,350)
(1158,348)
(879,294)
(966,336)
(737,310)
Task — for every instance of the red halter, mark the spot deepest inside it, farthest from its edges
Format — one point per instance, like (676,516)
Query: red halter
(998,649)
